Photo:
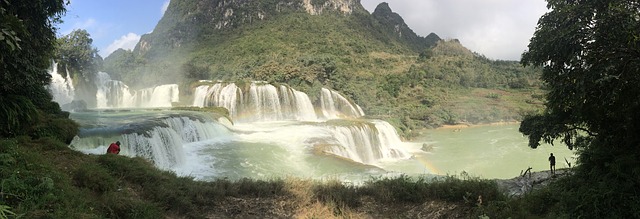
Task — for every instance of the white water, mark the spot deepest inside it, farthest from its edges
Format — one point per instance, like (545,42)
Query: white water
(283,133)
(61,88)
(279,133)
(336,106)
(157,137)
(116,94)
(265,102)
(366,142)
(112,93)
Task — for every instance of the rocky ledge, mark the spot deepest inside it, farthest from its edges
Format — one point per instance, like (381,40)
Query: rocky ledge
(529,181)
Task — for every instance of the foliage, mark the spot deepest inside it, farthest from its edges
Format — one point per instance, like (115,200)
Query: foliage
(18,113)
(76,52)
(406,189)
(118,62)
(5,212)
(27,43)
(95,178)
(338,193)
(589,51)
(76,55)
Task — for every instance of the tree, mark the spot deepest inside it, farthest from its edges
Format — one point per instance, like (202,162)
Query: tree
(76,52)
(590,54)
(119,62)
(27,45)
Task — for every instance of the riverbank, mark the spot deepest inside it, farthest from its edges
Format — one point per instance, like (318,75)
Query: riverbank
(462,126)
(527,182)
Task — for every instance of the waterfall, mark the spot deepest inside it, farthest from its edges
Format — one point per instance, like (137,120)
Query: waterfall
(266,102)
(160,141)
(366,142)
(61,88)
(298,104)
(334,106)
(162,146)
(116,94)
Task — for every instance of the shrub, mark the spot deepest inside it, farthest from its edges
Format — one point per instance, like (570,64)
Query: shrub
(337,193)
(118,206)
(17,113)
(62,129)
(94,178)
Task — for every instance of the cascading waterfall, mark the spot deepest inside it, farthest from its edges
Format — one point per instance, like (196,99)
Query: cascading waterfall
(366,142)
(160,141)
(336,106)
(265,102)
(302,108)
(228,96)
(116,94)
(61,88)
(273,119)
(161,145)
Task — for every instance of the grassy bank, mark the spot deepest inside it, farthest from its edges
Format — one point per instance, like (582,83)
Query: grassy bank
(44,178)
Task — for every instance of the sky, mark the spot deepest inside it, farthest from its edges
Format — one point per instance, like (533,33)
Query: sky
(498,29)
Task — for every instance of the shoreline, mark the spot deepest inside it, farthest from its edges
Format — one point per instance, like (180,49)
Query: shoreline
(462,126)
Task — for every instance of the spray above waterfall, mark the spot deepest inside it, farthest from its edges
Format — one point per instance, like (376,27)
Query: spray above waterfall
(116,94)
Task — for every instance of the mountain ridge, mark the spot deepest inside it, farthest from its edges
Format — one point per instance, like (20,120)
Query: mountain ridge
(188,28)
(374,59)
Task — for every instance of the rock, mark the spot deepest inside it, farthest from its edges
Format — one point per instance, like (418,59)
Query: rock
(523,184)
(76,105)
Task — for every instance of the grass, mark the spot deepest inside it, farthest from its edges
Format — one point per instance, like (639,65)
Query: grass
(44,178)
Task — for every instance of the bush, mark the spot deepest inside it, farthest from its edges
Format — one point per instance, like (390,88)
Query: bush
(450,188)
(94,178)
(17,113)
(117,206)
(337,193)
(62,129)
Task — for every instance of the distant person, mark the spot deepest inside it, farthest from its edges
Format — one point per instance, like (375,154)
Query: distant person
(552,164)
(114,148)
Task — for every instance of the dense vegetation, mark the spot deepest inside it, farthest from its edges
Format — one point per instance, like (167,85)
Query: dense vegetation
(27,43)
(590,53)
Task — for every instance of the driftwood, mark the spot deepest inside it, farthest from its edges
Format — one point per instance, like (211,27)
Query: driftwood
(525,172)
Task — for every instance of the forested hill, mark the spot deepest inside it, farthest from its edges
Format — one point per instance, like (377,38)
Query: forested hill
(238,39)
(373,58)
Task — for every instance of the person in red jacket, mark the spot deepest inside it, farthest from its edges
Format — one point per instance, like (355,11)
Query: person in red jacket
(114,148)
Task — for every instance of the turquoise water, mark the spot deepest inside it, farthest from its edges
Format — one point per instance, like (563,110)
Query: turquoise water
(287,149)
(497,151)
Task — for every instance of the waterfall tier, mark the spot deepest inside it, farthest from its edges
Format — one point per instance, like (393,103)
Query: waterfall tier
(364,142)
(116,94)
(158,138)
(266,102)
(61,87)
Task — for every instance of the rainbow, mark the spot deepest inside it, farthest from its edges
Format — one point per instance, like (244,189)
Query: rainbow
(428,165)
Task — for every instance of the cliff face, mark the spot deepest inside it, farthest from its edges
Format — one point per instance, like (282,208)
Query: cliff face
(393,23)
(243,38)
(185,20)
(343,6)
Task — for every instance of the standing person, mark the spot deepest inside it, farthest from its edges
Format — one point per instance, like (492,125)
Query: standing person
(552,164)
(114,148)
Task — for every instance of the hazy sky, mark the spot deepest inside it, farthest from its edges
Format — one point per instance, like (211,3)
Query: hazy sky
(499,29)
